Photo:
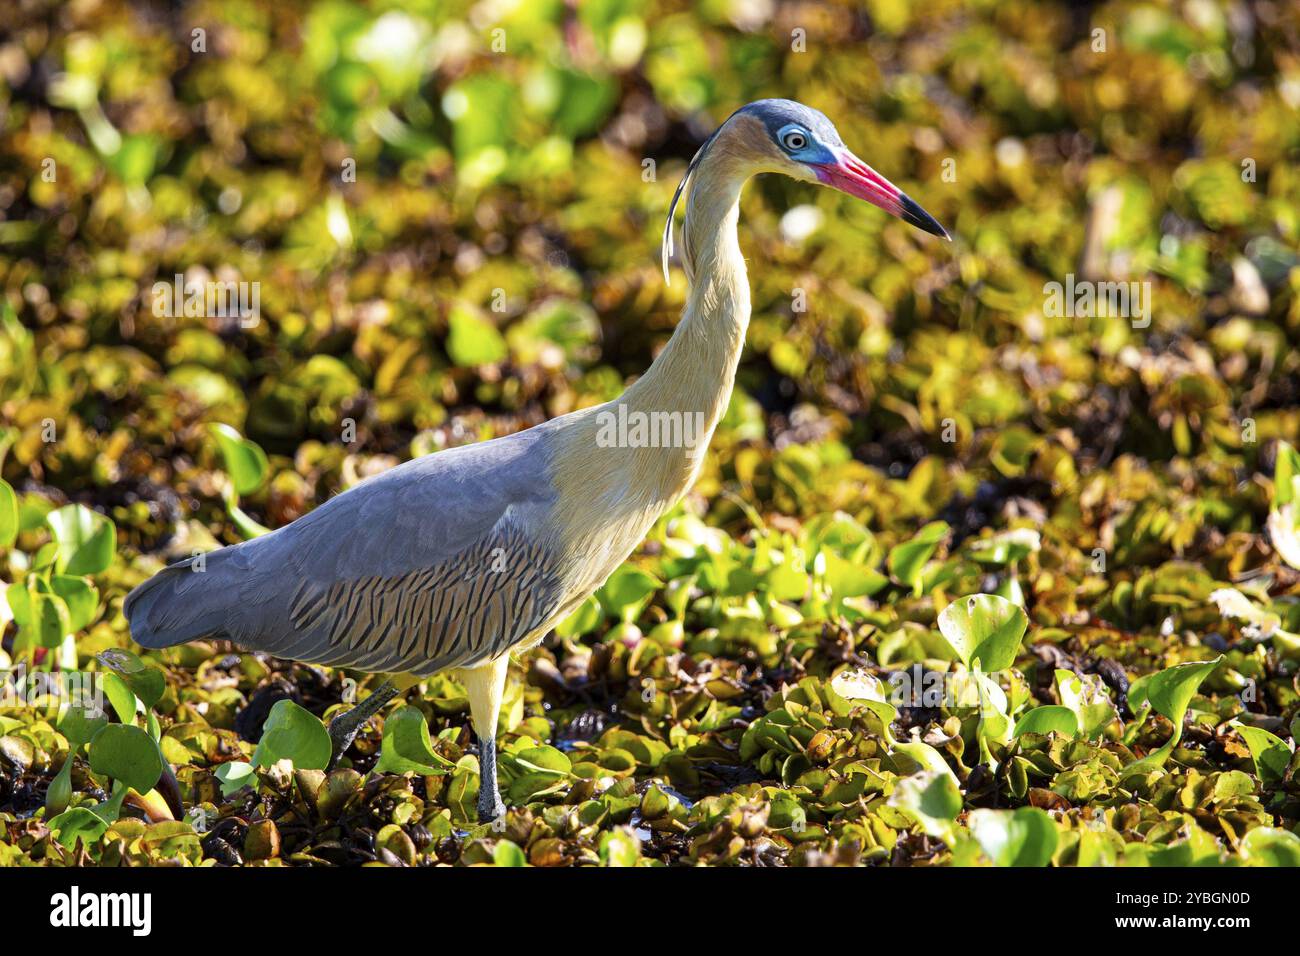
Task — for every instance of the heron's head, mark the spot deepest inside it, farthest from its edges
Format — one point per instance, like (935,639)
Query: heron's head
(790,138)
(782,136)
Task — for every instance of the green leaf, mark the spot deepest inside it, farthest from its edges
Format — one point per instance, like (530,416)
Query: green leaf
(234,776)
(582,621)
(245,461)
(1285,474)
(544,759)
(1052,718)
(407,747)
(80,596)
(862,688)
(121,697)
(8,515)
(925,755)
(906,561)
(472,340)
(79,823)
(86,539)
(848,580)
(1269,846)
(1024,837)
(79,725)
(145,681)
(1172,689)
(506,853)
(1271,753)
(127,754)
(59,793)
(619,847)
(984,629)
(294,733)
(1086,696)
(1007,547)
(626,591)
(1169,692)
(42,617)
(932,799)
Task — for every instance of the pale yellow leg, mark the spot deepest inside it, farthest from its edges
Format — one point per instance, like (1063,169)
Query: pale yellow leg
(485,686)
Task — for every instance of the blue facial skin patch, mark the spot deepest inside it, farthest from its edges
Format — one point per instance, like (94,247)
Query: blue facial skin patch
(812,153)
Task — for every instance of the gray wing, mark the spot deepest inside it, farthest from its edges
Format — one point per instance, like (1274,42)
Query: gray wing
(441,562)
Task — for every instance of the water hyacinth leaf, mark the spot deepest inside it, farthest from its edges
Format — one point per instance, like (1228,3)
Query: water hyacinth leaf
(1171,690)
(120,696)
(296,734)
(145,681)
(506,853)
(245,462)
(1007,547)
(407,747)
(984,629)
(1271,753)
(59,793)
(1051,718)
(80,596)
(859,686)
(8,515)
(78,824)
(847,579)
(926,756)
(234,776)
(932,799)
(1086,696)
(1011,590)
(619,847)
(1286,476)
(128,755)
(544,759)
(42,617)
(626,592)
(86,539)
(1271,846)
(80,722)
(1023,837)
(582,621)
(473,340)
(907,560)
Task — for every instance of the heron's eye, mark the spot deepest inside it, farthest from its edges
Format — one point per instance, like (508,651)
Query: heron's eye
(794,140)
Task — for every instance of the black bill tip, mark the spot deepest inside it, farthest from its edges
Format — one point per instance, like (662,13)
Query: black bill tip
(914,214)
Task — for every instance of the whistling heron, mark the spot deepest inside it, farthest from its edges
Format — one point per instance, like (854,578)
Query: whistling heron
(453,560)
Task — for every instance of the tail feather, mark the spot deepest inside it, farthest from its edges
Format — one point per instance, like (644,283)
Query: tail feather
(186,601)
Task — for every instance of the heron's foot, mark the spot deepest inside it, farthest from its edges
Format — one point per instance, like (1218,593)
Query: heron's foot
(490,808)
(344,728)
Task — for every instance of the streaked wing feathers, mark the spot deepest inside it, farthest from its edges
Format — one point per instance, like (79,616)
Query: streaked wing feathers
(440,562)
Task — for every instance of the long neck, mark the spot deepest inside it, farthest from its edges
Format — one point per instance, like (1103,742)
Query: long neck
(615,483)
(695,371)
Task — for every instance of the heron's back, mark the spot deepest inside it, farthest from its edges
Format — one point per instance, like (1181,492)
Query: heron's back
(443,561)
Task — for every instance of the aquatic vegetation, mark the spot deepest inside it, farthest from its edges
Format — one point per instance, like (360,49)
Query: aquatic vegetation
(976,572)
